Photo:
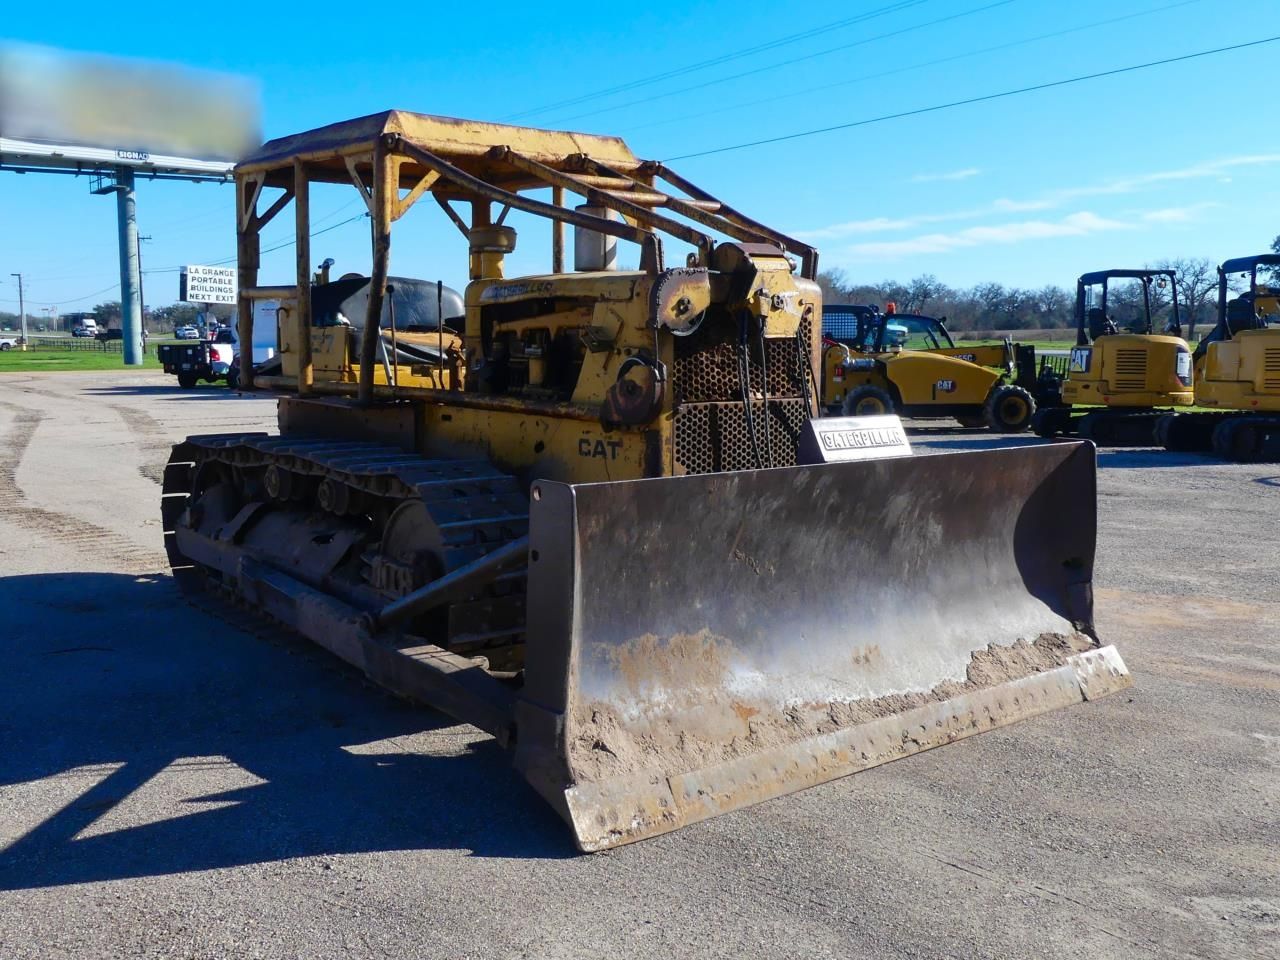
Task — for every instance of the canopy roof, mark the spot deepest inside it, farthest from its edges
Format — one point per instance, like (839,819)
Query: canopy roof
(1099,276)
(464,143)
(1246,264)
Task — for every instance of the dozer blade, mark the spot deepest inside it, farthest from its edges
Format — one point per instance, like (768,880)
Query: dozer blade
(697,644)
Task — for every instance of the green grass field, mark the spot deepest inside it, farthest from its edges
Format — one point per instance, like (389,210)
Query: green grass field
(1040,345)
(40,361)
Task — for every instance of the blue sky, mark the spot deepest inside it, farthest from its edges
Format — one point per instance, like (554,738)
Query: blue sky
(1179,160)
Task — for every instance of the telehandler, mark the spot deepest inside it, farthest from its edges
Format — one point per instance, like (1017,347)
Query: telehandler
(1237,371)
(880,363)
(1117,384)
(602,523)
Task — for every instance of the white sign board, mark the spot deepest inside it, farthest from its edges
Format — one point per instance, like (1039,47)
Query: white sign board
(207,284)
(840,439)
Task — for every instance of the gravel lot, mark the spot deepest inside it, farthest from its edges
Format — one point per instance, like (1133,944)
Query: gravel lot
(172,786)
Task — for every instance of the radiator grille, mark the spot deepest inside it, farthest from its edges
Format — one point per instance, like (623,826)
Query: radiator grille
(711,437)
(710,425)
(1131,370)
(706,367)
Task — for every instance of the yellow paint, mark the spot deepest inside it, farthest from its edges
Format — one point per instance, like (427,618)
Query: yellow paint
(1242,373)
(911,377)
(1129,370)
(543,360)
(543,448)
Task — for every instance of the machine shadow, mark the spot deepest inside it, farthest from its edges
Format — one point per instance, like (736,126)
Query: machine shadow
(201,391)
(1126,457)
(1145,457)
(139,736)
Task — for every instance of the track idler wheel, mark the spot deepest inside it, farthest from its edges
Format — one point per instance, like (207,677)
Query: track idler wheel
(411,552)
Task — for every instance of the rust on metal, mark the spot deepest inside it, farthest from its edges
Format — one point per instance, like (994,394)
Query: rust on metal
(733,637)
(580,524)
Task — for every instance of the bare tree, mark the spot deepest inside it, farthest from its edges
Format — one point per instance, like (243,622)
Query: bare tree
(1054,305)
(1015,307)
(986,306)
(833,285)
(989,296)
(920,291)
(1197,290)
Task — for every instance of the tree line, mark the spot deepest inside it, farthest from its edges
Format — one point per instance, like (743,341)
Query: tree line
(987,306)
(992,306)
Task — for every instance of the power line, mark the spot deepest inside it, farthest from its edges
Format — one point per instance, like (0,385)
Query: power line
(726,58)
(175,269)
(756,71)
(971,100)
(272,249)
(87,296)
(910,67)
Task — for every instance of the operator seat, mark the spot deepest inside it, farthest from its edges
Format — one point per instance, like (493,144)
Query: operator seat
(1100,325)
(1241,316)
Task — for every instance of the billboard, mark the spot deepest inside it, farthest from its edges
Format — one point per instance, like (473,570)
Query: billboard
(198,284)
(94,109)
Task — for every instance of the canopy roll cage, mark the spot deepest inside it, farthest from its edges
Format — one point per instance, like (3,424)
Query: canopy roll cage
(393,159)
(1103,279)
(1247,265)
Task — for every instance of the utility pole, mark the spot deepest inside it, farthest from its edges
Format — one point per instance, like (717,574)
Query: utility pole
(22,310)
(142,299)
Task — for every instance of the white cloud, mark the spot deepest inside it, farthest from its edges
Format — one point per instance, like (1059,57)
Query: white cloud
(1005,205)
(1200,171)
(1052,199)
(951,176)
(854,227)
(1177,214)
(887,224)
(1079,224)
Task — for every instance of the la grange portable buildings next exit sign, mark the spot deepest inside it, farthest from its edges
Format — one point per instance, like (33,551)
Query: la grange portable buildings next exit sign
(207,284)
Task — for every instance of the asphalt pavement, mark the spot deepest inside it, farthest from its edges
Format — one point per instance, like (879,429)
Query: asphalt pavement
(174,785)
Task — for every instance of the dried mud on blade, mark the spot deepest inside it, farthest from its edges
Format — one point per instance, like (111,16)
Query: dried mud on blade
(697,644)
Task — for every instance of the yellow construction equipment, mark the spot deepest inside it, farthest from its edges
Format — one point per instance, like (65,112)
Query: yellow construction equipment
(1118,384)
(879,363)
(1237,372)
(600,522)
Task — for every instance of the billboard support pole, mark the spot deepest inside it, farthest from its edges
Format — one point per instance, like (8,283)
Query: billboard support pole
(130,276)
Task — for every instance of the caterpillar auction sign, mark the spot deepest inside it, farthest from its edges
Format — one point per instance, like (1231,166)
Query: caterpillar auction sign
(207,284)
(841,439)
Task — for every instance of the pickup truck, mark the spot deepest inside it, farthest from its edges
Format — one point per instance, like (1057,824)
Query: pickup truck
(9,343)
(198,360)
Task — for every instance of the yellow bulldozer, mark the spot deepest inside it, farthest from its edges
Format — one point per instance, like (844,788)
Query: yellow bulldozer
(596,516)
(890,362)
(1119,383)
(1237,373)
